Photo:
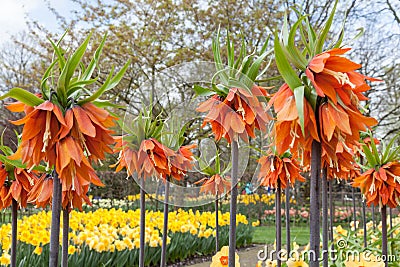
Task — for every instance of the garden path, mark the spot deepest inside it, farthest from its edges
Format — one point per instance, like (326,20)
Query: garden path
(248,257)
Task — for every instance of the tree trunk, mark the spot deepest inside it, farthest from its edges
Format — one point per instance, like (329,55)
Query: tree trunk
(233,206)
(165,226)
(14,232)
(142,222)
(55,222)
(314,203)
(65,238)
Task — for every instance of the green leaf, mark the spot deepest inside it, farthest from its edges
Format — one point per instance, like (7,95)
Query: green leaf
(217,162)
(230,51)
(299,60)
(43,83)
(339,40)
(201,91)
(388,148)
(255,67)
(288,74)
(370,157)
(299,98)
(108,85)
(106,104)
(80,84)
(92,65)
(75,59)
(14,163)
(217,57)
(59,53)
(241,54)
(375,150)
(24,96)
(312,37)
(325,31)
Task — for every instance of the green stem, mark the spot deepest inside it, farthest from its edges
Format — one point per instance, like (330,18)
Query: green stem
(55,222)
(142,222)
(233,206)
(314,203)
(65,238)
(14,232)
(165,226)
(384,235)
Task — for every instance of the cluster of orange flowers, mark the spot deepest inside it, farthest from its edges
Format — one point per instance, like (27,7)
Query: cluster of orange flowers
(215,185)
(340,121)
(287,128)
(334,77)
(68,141)
(381,185)
(237,114)
(286,170)
(154,159)
(17,189)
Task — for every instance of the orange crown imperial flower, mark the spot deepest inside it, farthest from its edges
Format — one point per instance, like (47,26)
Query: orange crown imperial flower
(40,134)
(237,106)
(381,186)
(284,169)
(64,125)
(150,159)
(287,128)
(239,113)
(333,75)
(215,185)
(182,161)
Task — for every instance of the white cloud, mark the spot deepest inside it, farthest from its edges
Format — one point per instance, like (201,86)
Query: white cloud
(14,13)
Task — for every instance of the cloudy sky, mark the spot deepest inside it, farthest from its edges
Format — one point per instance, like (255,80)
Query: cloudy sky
(13,14)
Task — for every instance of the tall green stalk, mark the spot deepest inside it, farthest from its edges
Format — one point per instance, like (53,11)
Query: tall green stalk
(14,232)
(65,238)
(287,207)
(314,203)
(384,235)
(278,223)
(325,237)
(165,226)
(233,206)
(142,222)
(55,222)
(216,225)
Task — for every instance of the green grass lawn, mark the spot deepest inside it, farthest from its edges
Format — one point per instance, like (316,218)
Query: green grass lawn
(266,234)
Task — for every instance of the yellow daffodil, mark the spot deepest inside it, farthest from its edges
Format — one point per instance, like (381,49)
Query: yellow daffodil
(5,258)
(271,263)
(221,259)
(38,250)
(296,263)
(364,260)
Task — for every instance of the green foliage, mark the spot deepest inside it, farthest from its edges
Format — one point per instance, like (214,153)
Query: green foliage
(240,72)
(142,127)
(68,82)
(376,158)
